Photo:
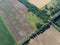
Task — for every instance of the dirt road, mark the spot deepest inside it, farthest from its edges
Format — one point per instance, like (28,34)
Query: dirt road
(49,37)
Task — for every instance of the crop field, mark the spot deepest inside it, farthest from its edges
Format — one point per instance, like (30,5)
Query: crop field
(33,19)
(5,35)
(14,13)
(50,37)
(21,20)
(40,3)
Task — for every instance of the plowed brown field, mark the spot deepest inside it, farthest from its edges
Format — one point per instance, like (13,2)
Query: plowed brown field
(14,14)
(49,37)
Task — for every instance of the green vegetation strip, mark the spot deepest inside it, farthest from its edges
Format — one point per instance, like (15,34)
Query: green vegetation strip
(33,19)
(6,37)
(39,18)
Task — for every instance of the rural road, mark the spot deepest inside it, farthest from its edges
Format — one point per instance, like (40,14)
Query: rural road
(14,14)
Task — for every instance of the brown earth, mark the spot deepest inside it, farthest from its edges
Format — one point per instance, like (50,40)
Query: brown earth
(49,37)
(39,3)
(14,14)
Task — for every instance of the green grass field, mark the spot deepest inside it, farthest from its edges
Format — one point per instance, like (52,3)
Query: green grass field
(6,37)
(33,19)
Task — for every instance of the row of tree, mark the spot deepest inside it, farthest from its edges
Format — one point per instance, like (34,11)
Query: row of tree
(40,13)
(54,7)
(37,32)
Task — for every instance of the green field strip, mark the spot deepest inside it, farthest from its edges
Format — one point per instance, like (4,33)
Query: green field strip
(6,37)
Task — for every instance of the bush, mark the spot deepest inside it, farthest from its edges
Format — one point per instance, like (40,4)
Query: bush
(38,25)
(25,41)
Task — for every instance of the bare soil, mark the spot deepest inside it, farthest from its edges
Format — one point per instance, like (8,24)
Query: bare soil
(49,37)
(39,3)
(14,14)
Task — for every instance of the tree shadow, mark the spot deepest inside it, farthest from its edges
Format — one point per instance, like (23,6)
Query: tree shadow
(35,34)
(55,20)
